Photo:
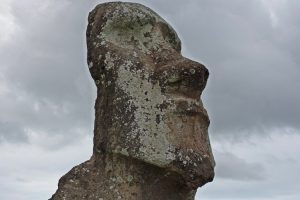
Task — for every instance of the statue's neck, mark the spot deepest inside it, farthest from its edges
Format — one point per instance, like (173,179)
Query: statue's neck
(126,178)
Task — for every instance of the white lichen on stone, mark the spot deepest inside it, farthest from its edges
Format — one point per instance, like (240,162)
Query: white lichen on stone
(154,145)
(91,64)
(109,64)
(129,178)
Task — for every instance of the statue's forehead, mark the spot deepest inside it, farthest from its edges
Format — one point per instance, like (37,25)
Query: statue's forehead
(131,11)
(129,24)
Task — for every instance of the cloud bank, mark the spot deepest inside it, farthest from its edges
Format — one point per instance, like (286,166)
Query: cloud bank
(250,48)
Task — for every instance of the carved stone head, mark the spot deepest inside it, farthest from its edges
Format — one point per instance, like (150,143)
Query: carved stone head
(148,101)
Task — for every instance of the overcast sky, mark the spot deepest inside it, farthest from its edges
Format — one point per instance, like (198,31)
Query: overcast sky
(251,48)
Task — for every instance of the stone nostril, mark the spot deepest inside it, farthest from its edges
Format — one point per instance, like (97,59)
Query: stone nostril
(195,77)
(184,80)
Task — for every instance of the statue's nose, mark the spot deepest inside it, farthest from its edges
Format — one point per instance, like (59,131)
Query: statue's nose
(184,76)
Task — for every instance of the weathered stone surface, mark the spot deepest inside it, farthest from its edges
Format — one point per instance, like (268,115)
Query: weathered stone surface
(150,136)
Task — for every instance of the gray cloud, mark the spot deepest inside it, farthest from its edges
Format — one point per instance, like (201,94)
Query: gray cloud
(253,82)
(11,132)
(46,78)
(230,166)
(259,168)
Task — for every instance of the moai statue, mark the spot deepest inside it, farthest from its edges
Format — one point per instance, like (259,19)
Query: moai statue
(150,137)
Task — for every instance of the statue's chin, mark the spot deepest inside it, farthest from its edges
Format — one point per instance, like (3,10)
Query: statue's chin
(193,167)
(197,176)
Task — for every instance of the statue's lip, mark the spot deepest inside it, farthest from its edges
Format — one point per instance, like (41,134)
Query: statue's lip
(189,106)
